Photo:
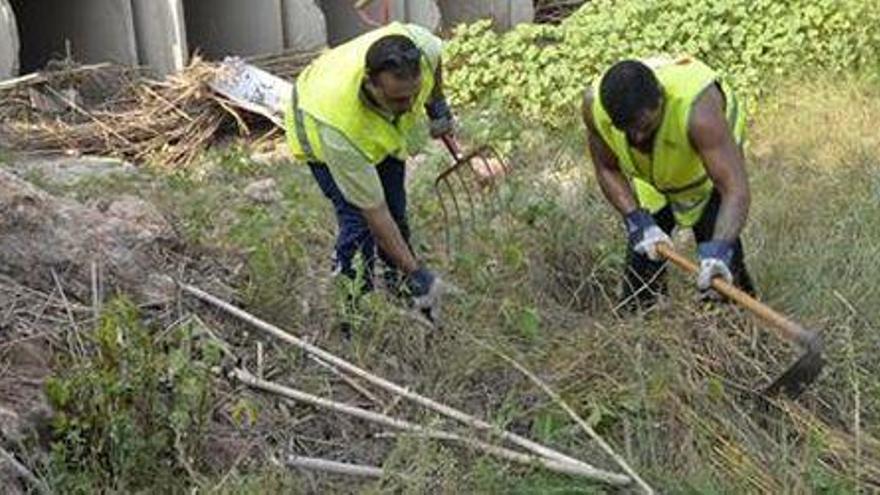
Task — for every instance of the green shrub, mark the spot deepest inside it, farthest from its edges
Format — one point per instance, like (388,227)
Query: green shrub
(131,410)
(540,71)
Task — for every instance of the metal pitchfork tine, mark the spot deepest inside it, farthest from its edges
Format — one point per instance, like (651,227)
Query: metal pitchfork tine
(806,369)
(452,178)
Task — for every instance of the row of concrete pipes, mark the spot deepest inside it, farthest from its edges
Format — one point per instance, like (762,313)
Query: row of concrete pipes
(163,34)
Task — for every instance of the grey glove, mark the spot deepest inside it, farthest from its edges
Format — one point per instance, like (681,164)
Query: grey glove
(441,120)
(426,290)
(644,234)
(715,259)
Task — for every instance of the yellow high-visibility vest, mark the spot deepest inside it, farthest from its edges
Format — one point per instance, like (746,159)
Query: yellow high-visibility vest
(674,172)
(328,91)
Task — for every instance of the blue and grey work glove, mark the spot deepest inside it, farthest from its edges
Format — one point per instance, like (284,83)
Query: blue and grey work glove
(715,259)
(440,116)
(644,234)
(426,290)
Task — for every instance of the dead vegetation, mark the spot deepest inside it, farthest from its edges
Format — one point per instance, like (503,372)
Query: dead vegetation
(116,111)
(555,11)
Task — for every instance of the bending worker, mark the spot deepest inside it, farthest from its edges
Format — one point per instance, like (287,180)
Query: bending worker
(353,114)
(666,140)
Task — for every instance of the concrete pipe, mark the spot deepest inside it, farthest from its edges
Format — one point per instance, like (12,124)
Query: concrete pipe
(505,13)
(217,28)
(345,22)
(161,34)
(8,41)
(91,31)
(305,27)
(422,12)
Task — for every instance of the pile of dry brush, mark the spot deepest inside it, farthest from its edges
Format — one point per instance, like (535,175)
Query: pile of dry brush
(118,111)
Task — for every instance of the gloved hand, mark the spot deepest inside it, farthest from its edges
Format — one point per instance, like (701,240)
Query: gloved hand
(441,120)
(715,259)
(426,290)
(644,234)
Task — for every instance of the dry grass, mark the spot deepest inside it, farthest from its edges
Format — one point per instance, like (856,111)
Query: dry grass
(117,111)
(808,123)
(171,121)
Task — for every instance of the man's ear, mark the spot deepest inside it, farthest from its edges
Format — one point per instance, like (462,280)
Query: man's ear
(369,80)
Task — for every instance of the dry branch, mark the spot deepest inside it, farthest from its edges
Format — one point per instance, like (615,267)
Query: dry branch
(334,467)
(23,472)
(399,424)
(381,382)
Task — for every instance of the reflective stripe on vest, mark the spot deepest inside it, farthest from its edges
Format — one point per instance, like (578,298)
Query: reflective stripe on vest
(300,126)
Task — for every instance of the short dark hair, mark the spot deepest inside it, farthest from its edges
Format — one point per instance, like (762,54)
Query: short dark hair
(394,53)
(628,88)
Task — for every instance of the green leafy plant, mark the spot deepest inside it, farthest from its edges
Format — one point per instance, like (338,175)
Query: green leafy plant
(131,412)
(540,71)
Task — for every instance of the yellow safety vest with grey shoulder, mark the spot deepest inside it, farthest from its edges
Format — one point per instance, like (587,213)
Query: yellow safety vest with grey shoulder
(673,173)
(328,91)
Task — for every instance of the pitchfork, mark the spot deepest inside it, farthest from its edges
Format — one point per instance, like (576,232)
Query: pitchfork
(483,166)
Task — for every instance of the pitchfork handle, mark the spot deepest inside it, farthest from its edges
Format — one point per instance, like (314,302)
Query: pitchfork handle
(452,146)
(789,330)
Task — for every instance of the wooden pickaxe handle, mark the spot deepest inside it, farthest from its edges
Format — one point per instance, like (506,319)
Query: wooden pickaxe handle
(789,330)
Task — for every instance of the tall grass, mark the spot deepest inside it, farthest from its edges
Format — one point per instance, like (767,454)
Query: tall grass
(672,390)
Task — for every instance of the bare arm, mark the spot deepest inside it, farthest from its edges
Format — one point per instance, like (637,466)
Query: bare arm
(613,183)
(711,136)
(361,186)
(390,240)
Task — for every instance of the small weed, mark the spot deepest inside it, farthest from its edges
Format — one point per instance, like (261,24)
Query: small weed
(130,412)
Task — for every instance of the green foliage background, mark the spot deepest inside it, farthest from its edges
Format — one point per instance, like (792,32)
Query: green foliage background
(540,71)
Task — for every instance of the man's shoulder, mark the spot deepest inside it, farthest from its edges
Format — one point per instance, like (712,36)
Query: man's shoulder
(707,107)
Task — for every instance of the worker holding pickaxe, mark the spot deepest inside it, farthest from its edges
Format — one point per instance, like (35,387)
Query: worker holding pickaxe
(666,140)
(353,115)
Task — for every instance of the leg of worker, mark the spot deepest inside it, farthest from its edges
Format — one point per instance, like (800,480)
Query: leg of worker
(354,234)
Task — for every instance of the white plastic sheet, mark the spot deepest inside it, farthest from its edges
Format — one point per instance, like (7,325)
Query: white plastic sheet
(253,89)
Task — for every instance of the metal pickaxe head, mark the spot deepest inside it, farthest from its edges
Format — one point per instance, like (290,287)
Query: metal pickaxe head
(803,372)
(468,186)
(800,374)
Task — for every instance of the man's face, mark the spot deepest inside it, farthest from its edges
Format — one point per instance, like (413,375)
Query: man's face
(642,131)
(395,94)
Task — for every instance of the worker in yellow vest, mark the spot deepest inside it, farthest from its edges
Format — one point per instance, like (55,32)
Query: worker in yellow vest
(353,114)
(666,141)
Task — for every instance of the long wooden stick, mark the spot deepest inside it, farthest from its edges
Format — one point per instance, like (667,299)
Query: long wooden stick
(381,382)
(790,331)
(22,471)
(571,413)
(334,467)
(562,467)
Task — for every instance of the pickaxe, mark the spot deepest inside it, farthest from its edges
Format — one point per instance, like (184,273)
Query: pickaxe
(800,374)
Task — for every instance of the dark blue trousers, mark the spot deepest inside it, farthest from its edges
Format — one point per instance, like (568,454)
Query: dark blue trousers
(354,235)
